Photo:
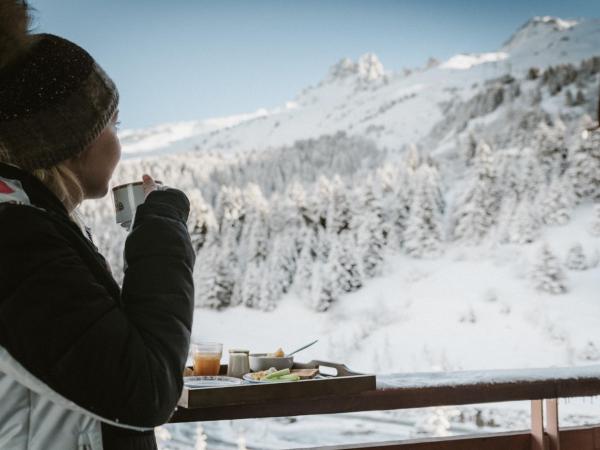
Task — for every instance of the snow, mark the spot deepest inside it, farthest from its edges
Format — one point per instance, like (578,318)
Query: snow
(466,61)
(474,377)
(453,306)
(358,96)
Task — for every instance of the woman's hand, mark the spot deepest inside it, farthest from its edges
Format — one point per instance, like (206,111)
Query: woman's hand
(149,184)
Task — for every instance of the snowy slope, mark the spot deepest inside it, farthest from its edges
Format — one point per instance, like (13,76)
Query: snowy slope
(472,306)
(363,98)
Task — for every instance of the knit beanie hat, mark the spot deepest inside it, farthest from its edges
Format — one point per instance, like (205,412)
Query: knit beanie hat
(54,99)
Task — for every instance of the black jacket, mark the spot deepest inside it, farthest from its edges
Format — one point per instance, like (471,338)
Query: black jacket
(116,352)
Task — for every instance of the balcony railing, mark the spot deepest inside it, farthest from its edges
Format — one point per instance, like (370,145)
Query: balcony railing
(543,387)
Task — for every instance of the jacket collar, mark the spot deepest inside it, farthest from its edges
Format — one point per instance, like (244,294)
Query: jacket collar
(39,195)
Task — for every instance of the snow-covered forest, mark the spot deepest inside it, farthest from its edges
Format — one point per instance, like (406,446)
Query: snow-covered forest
(320,216)
(438,218)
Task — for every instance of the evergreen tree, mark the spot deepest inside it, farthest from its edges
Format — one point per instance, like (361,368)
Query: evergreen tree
(399,207)
(556,202)
(306,264)
(584,170)
(477,210)
(548,275)
(324,288)
(322,200)
(344,264)
(201,219)
(281,262)
(551,151)
(215,278)
(595,229)
(322,245)
(423,235)
(255,233)
(576,259)
(505,217)
(229,209)
(339,216)
(371,243)
(252,284)
(532,176)
(509,173)
(569,101)
(524,225)
(271,288)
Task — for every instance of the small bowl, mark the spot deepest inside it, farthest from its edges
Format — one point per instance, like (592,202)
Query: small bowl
(260,361)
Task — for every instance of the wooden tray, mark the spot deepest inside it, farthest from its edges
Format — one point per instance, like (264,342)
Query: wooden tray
(344,381)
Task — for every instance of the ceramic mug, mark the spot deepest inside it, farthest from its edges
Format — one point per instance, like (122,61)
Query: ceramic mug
(127,197)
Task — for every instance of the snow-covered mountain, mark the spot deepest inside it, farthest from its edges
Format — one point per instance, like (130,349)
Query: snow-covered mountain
(363,98)
(401,218)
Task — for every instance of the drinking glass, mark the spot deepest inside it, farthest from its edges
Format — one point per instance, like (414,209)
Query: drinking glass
(206,358)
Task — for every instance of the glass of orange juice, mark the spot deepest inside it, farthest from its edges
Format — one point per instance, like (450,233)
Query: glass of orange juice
(206,358)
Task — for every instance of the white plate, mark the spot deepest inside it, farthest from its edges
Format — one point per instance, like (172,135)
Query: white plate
(248,377)
(210,382)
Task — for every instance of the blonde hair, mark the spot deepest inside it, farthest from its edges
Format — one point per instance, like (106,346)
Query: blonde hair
(63,182)
(57,178)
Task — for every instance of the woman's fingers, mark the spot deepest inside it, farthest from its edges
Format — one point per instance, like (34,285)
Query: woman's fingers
(149,184)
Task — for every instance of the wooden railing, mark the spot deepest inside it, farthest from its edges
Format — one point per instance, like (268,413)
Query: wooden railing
(543,387)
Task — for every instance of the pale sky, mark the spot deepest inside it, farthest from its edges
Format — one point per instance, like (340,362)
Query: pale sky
(182,60)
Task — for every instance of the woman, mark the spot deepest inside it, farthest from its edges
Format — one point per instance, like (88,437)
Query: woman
(84,364)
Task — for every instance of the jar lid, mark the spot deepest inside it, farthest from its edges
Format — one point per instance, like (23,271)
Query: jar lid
(239,350)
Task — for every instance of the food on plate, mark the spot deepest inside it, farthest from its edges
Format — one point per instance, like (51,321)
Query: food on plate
(274,375)
(305,373)
(188,372)
(279,353)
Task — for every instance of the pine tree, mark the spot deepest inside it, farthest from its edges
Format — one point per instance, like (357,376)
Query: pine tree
(548,275)
(271,289)
(423,235)
(339,215)
(584,170)
(556,202)
(215,278)
(201,219)
(524,225)
(505,217)
(371,243)
(576,259)
(252,283)
(399,208)
(323,198)
(205,275)
(306,264)
(281,262)
(324,288)
(569,98)
(509,174)
(322,245)
(595,229)
(344,264)
(551,151)
(255,233)
(531,176)
(229,208)
(477,211)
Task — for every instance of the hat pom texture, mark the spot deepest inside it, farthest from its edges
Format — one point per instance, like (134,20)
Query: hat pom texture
(14,26)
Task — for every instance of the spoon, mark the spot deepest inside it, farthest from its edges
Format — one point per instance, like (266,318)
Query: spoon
(302,348)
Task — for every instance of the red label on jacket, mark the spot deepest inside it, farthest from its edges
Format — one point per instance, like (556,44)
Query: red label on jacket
(5,188)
